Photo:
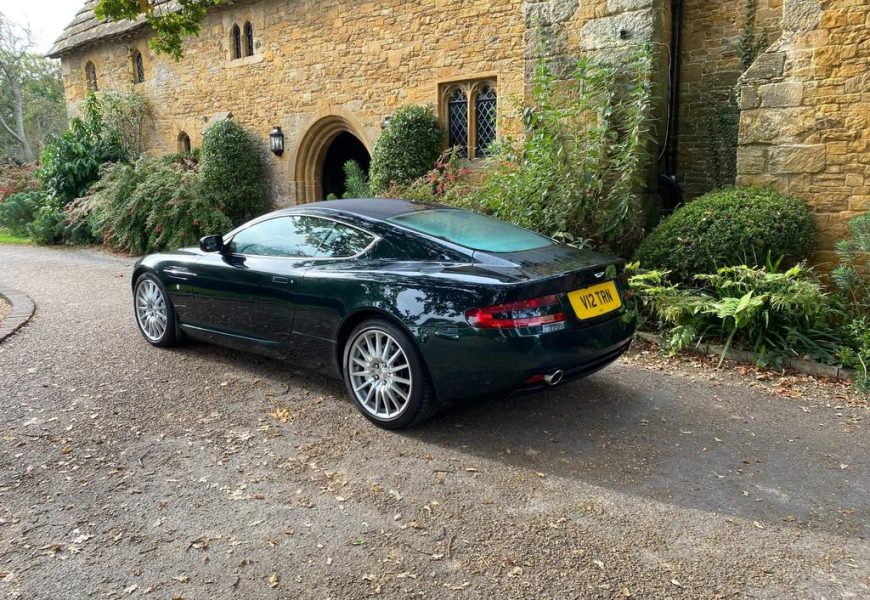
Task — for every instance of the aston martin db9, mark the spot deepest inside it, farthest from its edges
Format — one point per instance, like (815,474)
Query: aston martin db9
(415,306)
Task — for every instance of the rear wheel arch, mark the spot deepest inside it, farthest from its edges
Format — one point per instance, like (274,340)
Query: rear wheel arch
(359,316)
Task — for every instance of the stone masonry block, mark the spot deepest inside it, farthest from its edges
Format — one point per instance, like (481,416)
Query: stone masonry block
(768,66)
(604,32)
(798,158)
(787,93)
(621,6)
(751,160)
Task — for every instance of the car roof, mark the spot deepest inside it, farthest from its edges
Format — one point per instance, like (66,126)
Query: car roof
(371,208)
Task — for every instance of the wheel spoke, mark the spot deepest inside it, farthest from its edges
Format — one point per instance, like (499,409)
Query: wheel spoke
(380,374)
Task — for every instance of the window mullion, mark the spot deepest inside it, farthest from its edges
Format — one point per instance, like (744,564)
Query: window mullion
(472,123)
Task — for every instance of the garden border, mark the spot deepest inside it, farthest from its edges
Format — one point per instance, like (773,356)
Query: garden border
(800,365)
(22,310)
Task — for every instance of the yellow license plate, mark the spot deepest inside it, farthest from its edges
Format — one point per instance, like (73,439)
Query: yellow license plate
(595,301)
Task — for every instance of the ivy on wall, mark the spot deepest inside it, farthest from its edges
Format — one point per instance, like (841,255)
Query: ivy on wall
(724,119)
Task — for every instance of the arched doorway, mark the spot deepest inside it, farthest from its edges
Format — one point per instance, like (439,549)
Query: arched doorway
(343,148)
(326,146)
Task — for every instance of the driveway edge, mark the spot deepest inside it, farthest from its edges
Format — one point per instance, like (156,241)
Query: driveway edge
(22,310)
(807,367)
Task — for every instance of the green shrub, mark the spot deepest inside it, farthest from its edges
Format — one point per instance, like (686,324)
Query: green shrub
(577,171)
(855,353)
(71,161)
(19,210)
(149,206)
(851,274)
(728,227)
(760,308)
(48,225)
(229,172)
(124,115)
(445,184)
(356,181)
(407,148)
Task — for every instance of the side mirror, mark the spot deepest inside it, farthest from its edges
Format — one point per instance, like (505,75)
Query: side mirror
(212,243)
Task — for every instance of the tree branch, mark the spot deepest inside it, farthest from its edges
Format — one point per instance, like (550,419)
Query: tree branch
(9,129)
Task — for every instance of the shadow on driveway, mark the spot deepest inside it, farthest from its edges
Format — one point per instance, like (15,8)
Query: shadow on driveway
(724,449)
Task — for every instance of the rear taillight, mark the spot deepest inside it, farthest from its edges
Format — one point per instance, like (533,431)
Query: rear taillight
(536,312)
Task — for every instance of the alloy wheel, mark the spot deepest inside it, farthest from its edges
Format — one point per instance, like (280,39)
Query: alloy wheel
(151,311)
(380,374)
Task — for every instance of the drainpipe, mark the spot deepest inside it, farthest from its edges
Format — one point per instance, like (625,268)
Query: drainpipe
(669,190)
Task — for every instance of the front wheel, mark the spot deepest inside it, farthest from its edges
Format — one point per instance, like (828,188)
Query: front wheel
(386,377)
(155,314)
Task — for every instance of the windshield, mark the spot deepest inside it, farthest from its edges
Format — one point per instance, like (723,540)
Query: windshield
(471,230)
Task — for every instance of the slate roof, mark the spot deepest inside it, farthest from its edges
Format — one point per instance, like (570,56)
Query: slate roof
(86,28)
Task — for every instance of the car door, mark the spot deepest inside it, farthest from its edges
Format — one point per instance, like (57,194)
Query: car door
(249,290)
(330,283)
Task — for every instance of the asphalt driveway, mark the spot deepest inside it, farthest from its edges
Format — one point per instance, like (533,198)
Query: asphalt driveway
(198,472)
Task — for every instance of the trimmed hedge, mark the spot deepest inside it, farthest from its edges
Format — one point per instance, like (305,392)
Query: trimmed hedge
(229,172)
(407,148)
(730,227)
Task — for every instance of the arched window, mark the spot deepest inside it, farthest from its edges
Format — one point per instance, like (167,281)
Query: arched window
(138,67)
(236,41)
(457,121)
(485,111)
(184,143)
(91,76)
(249,39)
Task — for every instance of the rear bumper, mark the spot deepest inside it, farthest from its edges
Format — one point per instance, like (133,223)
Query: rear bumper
(478,363)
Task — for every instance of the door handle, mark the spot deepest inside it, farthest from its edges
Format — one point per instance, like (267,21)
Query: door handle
(283,280)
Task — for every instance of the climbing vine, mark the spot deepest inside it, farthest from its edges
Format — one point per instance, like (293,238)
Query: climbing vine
(723,121)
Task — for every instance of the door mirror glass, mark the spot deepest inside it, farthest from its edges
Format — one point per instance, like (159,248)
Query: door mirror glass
(211,243)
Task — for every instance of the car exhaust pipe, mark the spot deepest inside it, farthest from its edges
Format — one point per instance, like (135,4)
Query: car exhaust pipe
(554,377)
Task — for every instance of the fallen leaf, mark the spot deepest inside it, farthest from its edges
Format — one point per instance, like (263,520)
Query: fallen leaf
(274,580)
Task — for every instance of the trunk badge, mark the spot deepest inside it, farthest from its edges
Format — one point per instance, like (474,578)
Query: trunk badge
(599,275)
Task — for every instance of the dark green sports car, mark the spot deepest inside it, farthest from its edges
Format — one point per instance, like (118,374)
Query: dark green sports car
(416,306)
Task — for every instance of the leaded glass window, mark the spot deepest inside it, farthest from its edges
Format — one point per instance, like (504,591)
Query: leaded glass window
(457,121)
(91,76)
(249,39)
(485,122)
(236,40)
(138,67)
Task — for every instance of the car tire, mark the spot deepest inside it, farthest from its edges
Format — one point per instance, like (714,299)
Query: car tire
(386,376)
(154,312)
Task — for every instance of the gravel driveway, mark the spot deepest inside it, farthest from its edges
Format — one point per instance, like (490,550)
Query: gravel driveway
(128,471)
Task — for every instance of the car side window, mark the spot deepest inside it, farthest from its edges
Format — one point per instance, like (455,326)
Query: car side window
(345,241)
(287,237)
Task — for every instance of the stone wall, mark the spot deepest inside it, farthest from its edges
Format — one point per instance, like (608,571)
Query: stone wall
(805,123)
(322,66)
(710,67)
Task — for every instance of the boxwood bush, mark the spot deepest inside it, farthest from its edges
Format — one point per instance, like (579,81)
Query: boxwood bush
(229,175)
(730,227)
(407,148)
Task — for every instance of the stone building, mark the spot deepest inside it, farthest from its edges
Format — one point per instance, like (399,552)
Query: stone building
(792,73)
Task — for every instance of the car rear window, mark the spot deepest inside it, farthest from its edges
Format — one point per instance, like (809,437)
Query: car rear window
(471,230)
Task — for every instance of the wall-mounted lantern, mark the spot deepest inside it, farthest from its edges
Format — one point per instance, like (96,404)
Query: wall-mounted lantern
(276,141)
